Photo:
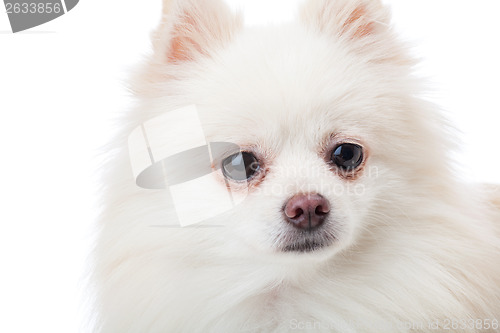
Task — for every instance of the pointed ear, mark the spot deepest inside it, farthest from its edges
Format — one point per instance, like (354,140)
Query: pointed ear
(193,28)
(350,19)
(363,24)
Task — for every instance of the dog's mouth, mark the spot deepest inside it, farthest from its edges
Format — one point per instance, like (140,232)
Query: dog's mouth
(307,243)
(298,241)
(304,246)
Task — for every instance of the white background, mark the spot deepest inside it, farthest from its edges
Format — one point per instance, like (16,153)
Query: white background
(61,83)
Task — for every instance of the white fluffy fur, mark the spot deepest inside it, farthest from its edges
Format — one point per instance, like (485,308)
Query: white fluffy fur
(417,246)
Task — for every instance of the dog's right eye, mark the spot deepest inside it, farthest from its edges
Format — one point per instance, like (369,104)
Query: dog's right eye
(240,166)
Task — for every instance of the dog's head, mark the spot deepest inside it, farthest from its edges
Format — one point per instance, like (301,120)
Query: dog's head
(334,145)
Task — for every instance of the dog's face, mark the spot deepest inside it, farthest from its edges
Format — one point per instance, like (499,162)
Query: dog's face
(331,139)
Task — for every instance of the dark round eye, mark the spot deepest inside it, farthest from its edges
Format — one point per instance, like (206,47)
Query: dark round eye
(347,156)
(240,166)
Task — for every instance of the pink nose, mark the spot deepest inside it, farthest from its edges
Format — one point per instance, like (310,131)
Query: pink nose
(306,211)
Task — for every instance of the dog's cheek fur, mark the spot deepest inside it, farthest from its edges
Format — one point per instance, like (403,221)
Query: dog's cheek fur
(419,246)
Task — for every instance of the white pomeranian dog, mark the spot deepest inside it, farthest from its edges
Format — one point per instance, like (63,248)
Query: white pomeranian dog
(352,217)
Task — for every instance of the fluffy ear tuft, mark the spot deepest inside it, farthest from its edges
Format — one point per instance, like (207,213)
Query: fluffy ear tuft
(351,19)
(193,28)
(363,24)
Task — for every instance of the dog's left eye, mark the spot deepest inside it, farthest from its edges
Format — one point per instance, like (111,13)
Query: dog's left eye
(347,156)
(240,166)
